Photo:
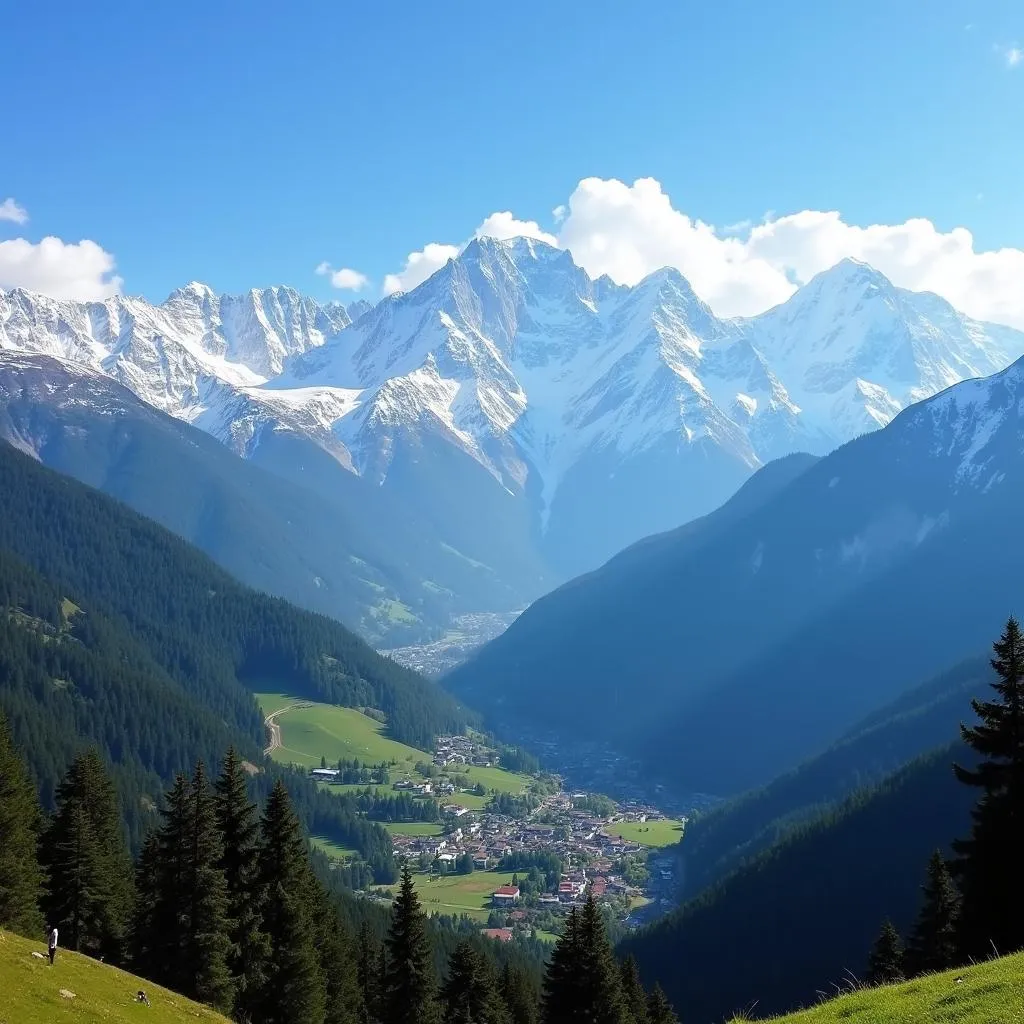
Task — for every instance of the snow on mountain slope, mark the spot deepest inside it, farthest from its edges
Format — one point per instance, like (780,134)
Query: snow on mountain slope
(608,412)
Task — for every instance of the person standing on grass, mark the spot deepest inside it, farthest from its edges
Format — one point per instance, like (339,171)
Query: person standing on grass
(53,944)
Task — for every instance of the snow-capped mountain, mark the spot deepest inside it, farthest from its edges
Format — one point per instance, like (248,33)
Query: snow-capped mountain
(511,391)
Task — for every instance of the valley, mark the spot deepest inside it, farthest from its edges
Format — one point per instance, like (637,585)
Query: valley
(513,850)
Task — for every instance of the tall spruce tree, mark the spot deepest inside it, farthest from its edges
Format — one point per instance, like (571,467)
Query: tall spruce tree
(87,863)
(988,864)
(208,976)
(563,979)
(369,975)
(181,938)
(885,965)
(659,1009)
(582,982)
(20,818)
(633,991)
(933,942)
(238,826)
(470,994)
(294,991)
(410,986)
(520,994)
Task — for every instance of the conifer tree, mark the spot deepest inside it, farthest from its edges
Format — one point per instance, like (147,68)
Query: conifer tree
(20,875)
(604,1003)
(519,994)
(885,965)
(470,994)
(659,1009)
(368,975)
(933,943)
(293,992)
(208,976)
(410,987)
(988,865)
(145,935)
(633,991)
(563,980)
(86,859)
(338,964)
(238,825)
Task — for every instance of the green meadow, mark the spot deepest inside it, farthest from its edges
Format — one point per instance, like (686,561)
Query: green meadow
(663,832)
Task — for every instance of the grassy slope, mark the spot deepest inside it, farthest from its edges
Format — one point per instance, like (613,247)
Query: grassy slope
(988,993)
(336,732)
(30,991)
(460,894)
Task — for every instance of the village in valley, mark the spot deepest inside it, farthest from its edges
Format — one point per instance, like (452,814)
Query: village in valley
(516,861)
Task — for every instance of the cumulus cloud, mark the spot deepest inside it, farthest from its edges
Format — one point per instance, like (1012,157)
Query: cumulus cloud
(344,278)
(419,266)
(64,270)
(13,211)
(629,231)
(1013,55)
(503,226)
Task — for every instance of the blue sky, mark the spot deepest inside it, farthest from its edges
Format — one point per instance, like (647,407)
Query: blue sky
(244,143)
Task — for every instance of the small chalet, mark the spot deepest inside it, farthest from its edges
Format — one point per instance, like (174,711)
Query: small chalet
(500,934)
(505,895)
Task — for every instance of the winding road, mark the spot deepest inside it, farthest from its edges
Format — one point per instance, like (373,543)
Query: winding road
(275,730)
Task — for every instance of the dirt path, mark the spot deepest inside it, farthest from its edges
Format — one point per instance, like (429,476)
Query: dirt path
(275,730)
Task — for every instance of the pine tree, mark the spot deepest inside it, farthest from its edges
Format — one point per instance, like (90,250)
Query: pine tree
(989,862)
(208,944)
(410,988)
(294,991)
(470,995)
(563,979)
(20,875)
(582,982)
(181,937)
(519,994)
(86,859)
(369,975)
(885,965)
(933,943)
(339,967)
(633,991)
(659,1009)
(238,825)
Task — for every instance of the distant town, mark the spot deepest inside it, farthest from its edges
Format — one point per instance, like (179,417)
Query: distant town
(559,845)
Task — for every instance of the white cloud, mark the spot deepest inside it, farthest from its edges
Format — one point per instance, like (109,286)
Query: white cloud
(503,225)
(64,270)
(1014,55)
(10,210)
(629,231)
(344,278)
(419,266)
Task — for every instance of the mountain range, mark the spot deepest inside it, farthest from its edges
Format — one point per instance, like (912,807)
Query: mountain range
(730,649)
(508,424)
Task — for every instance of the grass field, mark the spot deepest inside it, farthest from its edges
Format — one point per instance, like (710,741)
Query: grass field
(460,894)
(324,730)
(414,828)
(30,991)
(988,993)
(331,848)
(664,832)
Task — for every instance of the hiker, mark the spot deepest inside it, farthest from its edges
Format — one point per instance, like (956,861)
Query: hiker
(53,944)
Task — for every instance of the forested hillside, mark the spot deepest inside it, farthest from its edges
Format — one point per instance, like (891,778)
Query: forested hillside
(917,722)
(117,633)
(804,911)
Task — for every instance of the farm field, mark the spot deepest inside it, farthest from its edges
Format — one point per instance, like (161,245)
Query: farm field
(312,731)
(30,991)
(324,730)
(663,832)
(331,848)
(414,828)
(460,894)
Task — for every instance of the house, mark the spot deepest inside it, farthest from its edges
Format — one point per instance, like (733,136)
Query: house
(480,862)
(402,784)
(325,774)
(500,934)
(505,895)
(548,900)
(447,861)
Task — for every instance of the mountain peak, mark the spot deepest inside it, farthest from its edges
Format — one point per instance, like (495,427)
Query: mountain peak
(195,291)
